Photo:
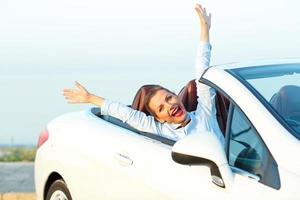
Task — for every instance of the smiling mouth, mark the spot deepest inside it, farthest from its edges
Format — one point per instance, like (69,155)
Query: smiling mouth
(176,111)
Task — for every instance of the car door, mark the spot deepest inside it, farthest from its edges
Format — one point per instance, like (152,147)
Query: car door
(167,179)
(144,169)
(152,174)
(128,171)
(176,181)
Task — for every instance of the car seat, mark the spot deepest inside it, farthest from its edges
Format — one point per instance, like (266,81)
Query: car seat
(287,102)
(138,102)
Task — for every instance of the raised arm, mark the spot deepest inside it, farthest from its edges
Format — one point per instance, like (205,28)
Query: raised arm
(206,105)
(204,47)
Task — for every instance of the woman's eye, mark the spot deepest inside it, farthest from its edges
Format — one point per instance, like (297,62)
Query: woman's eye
(169,97)
(160,109)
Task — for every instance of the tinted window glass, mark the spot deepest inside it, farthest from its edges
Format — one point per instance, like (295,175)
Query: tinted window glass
(279,86)
(246,150)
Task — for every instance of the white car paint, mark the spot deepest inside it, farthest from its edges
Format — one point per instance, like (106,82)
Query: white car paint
(100,160)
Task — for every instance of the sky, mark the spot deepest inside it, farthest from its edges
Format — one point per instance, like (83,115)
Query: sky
(114,47)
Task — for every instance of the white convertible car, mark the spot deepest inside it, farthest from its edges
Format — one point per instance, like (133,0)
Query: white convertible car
(86,156)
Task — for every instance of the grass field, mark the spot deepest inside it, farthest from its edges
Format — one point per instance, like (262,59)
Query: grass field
(17,154)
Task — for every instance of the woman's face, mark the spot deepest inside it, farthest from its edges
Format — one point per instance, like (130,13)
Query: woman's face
(167,107)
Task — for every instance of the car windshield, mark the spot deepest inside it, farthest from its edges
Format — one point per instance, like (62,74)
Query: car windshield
(279,86)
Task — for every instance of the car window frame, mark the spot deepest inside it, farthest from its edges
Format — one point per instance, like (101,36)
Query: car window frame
(268,181)
(119,123)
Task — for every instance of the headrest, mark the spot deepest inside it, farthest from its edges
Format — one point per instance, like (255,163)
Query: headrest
(287,102)
(188,96)
(139,99)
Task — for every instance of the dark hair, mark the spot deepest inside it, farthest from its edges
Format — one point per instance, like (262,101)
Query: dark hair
(150,93)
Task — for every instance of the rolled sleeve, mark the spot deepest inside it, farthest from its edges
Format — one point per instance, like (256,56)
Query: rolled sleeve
(206,94)
(134,118)
(105,107)
(202,58)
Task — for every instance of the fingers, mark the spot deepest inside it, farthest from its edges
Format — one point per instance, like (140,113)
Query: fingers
(199,9)
(69,94)
(68,91)
(79,86)
(72,92)
(205,18)
(77,95)
(198,6)
(71,98)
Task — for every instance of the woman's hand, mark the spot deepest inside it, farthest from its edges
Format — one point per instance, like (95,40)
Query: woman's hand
(205,19)
(81,95)
(205,22)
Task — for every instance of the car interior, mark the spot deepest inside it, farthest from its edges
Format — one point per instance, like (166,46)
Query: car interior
(188,96)
(287,103)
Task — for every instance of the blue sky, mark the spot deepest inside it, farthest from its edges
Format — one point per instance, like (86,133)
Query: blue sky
(113,47)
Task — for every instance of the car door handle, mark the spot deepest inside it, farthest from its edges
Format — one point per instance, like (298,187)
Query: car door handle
(123,160)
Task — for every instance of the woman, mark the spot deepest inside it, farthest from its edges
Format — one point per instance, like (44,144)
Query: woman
(168,116)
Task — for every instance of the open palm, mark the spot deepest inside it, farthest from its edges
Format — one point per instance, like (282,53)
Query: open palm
(204,18)
(79,95)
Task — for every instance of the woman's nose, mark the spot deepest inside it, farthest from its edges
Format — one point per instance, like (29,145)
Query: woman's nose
(168,105)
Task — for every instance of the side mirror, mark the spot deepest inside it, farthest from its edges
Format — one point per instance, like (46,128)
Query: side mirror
(204,149)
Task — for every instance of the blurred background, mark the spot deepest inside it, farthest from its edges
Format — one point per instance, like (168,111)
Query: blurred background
(114,47)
